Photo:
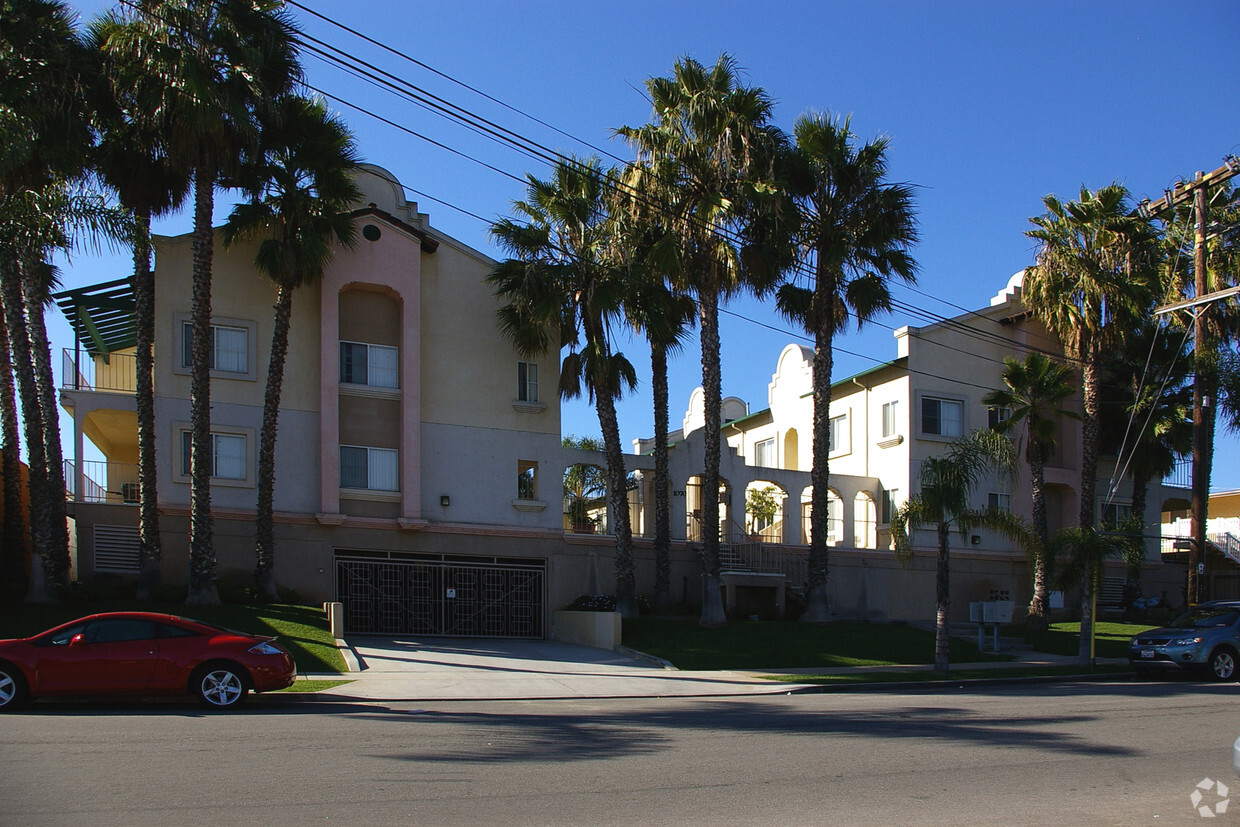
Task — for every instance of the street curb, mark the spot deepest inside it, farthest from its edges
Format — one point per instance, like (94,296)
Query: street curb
(657,661)
(350,657)
(961,683)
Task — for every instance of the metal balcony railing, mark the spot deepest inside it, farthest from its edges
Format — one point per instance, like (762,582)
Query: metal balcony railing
(103,482)
(1181,475)
(115,373)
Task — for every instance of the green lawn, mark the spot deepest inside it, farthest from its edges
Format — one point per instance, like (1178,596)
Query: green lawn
(302,630)
(789,644)
(1110,639)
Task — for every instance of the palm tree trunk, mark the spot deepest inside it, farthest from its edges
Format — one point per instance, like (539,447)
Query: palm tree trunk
(618,502)
(149,550)
(36,291)
(1039,605)
(1084,648)
(817,604)
(202,589)
(264,571)
(942,594)
(13,534)
(1089,439)
(712,387)
(42,571)
(662,486)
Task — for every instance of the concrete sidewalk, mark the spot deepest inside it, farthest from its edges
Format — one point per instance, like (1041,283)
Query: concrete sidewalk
(442,669)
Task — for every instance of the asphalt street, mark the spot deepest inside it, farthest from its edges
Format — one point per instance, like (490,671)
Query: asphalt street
(1080,753)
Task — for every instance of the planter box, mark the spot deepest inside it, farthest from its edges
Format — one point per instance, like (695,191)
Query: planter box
(598,629)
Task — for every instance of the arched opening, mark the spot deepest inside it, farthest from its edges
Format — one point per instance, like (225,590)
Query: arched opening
(694,510)
(764,511)
(865,521)
(791,447)
(585,498)
(835,516)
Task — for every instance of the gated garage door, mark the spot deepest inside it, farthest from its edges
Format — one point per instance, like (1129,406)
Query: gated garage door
(387,593)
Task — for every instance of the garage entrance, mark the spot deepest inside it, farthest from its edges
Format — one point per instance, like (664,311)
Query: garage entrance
(390,593)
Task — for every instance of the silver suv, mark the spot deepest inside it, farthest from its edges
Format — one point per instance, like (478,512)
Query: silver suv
(1205,637)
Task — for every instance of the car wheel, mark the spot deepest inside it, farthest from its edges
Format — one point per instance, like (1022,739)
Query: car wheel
(12,687)
(220,685)
(1223,664)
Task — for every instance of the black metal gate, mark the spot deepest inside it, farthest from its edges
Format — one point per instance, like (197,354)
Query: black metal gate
(387,593)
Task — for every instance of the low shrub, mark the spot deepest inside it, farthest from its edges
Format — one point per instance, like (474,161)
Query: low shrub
(605,603)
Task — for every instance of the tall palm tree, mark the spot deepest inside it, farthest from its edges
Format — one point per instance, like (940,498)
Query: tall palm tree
(1035,391)
(1094,277)
(663,315)
(132,158)
(45,127)
(211,67)
(300,188)
(13,536)
(947,482)
(564,288)
(33,223)
(855,233)
(710,156)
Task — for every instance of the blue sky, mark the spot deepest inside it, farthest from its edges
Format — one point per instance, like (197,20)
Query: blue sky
(989,106)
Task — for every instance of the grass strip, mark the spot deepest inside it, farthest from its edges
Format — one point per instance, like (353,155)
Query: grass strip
(790,644)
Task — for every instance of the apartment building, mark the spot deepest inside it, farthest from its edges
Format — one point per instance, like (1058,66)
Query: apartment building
(418,465)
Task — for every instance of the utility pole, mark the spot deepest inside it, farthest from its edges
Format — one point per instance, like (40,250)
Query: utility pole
(1204,375)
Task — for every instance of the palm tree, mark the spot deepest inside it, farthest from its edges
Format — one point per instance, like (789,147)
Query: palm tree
(709,156)
(1083,551)
(1093,279)
(33,223)
(947,482)
(132,158)
(1035,391)
(563,288)
(210,66)
(45,126)
(855,233)
(300,188)
(13,533)
(663,315)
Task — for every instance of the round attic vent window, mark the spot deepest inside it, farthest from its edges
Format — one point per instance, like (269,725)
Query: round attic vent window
(370,232)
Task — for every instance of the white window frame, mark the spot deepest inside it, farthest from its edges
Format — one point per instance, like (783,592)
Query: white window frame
(374,456)
(995,416)
(527,382)
(891,424)
(839,436)
(183,324)
(1000,501)
(941,400)
(374,375)
(182,434)
(764,453)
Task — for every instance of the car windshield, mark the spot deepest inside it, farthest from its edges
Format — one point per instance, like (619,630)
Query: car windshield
(1206,616)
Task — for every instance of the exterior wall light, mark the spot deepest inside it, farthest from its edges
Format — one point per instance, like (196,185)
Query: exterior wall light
(445,500)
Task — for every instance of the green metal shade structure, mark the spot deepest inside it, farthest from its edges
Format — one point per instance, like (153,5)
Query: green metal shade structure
(102,316)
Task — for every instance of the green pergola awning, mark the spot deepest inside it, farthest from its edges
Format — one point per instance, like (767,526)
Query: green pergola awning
(102,315)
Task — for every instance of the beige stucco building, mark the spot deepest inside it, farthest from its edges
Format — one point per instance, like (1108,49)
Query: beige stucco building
(419,463)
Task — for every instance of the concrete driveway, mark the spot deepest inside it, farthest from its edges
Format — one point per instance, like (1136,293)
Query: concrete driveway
(504,669)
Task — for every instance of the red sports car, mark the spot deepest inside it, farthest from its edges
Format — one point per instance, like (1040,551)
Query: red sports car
(140,653)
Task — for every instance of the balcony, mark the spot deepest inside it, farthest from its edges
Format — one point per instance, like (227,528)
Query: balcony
(103,482)
(111,373)
(1181,475)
